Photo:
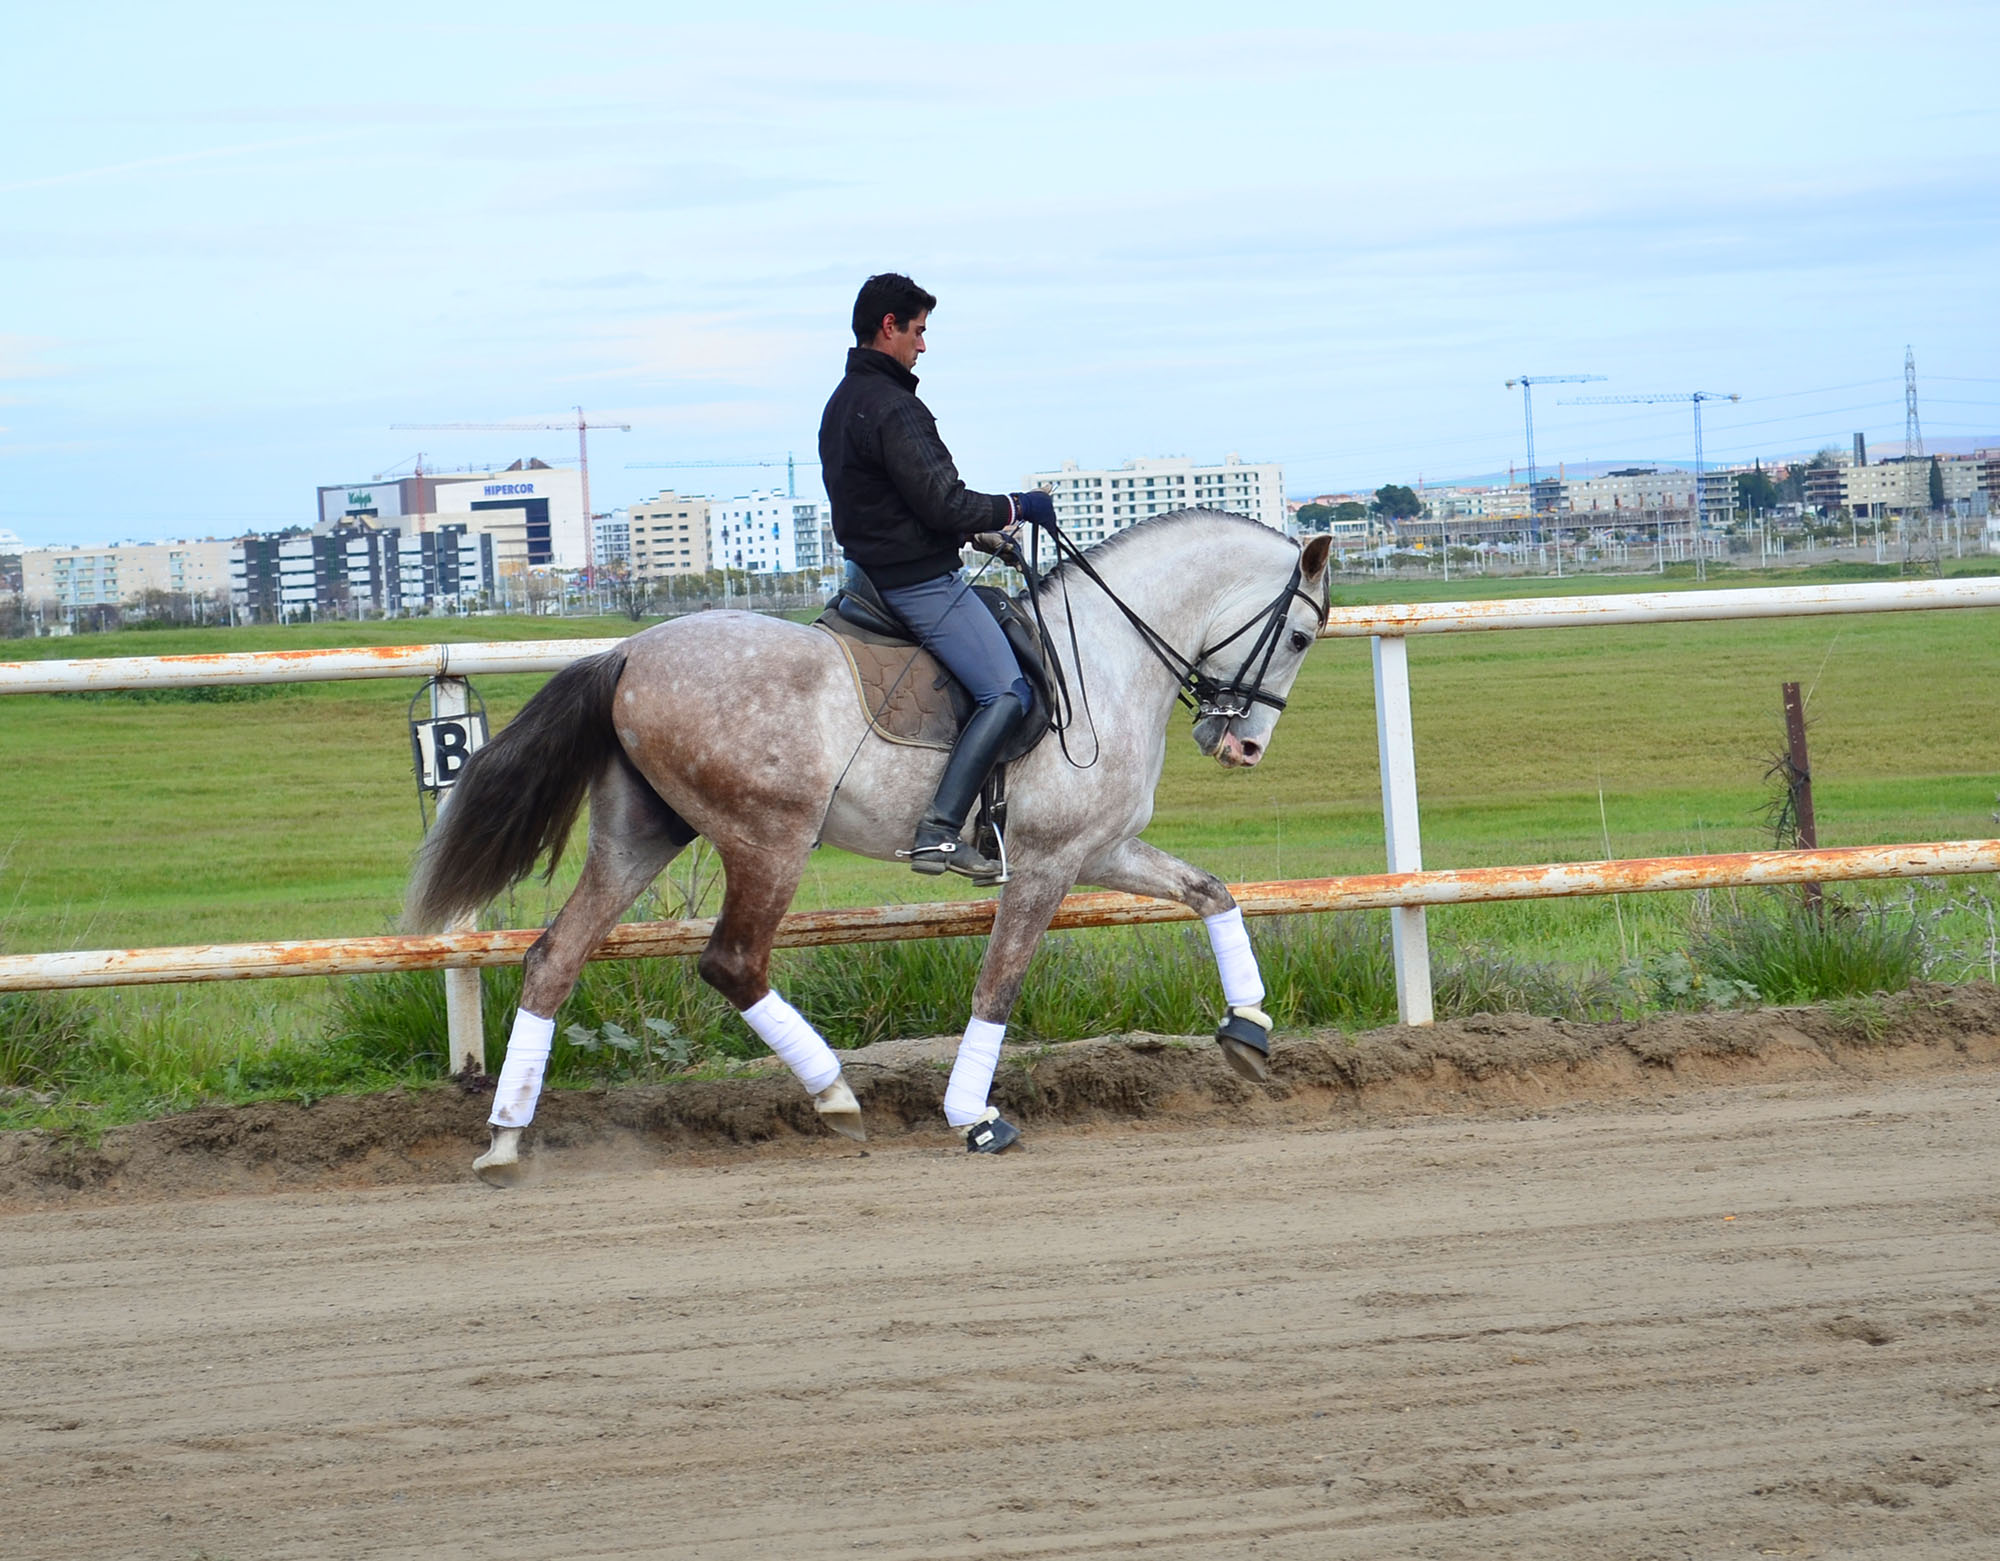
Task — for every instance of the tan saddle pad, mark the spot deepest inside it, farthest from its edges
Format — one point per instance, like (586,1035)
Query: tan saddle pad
(906,692)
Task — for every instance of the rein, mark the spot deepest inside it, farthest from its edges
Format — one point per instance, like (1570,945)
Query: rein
(1204,695)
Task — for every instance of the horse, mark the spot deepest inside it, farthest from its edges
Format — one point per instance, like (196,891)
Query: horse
(747,732)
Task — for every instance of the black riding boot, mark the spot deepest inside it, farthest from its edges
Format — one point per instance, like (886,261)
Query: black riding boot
(938,848)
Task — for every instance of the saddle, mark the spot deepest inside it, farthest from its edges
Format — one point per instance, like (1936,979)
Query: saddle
(909,696)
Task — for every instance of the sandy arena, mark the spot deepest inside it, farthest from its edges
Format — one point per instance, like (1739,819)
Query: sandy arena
(1741,1302)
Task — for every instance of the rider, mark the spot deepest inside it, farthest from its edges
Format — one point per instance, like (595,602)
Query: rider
(901,513)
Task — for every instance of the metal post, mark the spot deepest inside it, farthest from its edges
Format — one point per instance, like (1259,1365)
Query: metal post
(1396,742)
(465,1025)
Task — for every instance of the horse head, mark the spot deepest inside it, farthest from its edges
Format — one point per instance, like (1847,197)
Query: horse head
(1244,676)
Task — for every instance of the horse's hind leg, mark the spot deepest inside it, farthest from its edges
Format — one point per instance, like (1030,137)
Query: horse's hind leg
(760,883)
(1137,868)
(633,835)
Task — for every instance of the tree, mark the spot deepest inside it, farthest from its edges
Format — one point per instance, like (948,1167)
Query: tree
(1397,502)
(1314,517)
(1755,490)
(1349,511)
(1937,484)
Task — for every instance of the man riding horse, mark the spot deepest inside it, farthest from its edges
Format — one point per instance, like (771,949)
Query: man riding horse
(901,513)
(1210,609)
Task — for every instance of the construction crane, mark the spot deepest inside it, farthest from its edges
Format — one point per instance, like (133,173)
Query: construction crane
(415,462)
(582,426)
(791,475)
(1694,396)
(1528,382)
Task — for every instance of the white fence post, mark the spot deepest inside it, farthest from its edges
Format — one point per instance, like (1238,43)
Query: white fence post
(1395,738)
(465,1025)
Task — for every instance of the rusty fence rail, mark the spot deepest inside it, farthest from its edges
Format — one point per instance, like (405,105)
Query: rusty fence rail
(1405,890)
(972,918)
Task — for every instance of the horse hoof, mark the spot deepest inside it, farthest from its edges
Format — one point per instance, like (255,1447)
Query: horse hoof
(500,1166)
(1244,1061)
(1245,1038)
(839,1110)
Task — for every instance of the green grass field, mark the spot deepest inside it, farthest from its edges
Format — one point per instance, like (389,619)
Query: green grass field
(130,820)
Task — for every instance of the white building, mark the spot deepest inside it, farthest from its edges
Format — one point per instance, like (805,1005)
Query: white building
(550,499)
(768,533)
(124,572)
(1091,504)
(613,535)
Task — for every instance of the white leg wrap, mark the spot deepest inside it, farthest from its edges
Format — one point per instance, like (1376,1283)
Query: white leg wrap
(972,1072)
(784,1029)
(521,1074)
(1242,986)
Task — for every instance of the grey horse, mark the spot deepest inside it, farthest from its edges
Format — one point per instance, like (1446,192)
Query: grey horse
(747,732)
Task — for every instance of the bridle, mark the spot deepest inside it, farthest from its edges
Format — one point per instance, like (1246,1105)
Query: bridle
(1208,697)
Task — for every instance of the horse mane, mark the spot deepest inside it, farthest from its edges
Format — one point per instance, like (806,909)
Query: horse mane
(1066,573)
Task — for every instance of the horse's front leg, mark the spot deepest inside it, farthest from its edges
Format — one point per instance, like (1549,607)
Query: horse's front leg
(1134,867)
(1026,905)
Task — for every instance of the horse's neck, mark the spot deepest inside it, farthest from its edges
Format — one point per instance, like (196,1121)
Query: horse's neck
(1178,586)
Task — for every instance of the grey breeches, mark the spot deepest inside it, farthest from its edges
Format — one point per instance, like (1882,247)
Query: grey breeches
(955,626)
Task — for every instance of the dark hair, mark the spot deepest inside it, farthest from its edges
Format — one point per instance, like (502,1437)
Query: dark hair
(889,293)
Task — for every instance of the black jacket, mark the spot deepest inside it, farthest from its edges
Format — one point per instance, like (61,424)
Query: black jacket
(900,509)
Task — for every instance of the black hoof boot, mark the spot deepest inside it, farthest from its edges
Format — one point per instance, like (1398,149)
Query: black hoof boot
(991,1134)
(1245,1038)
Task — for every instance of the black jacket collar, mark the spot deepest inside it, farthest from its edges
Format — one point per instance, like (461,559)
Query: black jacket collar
(866,360)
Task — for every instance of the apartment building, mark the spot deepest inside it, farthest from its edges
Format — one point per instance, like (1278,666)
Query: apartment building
(1893,486)
(123,573)
(770,533)
(1093,503)
(357,569)
(666,536)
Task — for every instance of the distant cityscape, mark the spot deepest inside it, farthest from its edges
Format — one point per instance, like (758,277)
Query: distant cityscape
(516,539)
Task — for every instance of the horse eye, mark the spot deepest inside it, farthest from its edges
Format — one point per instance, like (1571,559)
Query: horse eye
(1300,639)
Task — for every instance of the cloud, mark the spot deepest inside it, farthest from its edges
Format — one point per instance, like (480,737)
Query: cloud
(23,357)
(669,187)
(175,159)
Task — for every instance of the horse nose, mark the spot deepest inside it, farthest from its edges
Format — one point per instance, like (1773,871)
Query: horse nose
(1239,752)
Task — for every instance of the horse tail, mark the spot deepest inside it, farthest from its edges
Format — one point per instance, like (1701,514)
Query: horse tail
(518,796)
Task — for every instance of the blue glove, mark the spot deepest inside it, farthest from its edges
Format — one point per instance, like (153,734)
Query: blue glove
(1036,508)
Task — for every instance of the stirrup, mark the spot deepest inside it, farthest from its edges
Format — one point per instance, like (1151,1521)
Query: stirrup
(991,1133)
(953,855)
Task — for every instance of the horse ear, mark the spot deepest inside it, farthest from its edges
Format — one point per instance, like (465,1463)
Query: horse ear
(1312,563)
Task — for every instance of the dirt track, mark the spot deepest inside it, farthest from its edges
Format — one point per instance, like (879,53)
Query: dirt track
(1756,1319)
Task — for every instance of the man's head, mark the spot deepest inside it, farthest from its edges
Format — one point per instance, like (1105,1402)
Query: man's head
(890,315)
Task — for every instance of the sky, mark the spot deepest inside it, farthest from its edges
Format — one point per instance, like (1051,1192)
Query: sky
(238,242)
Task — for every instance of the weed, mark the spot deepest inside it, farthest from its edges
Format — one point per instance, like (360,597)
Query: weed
(42,1035)
(1672,981)
(1794,955)
(1864,1019)
(1475,981)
